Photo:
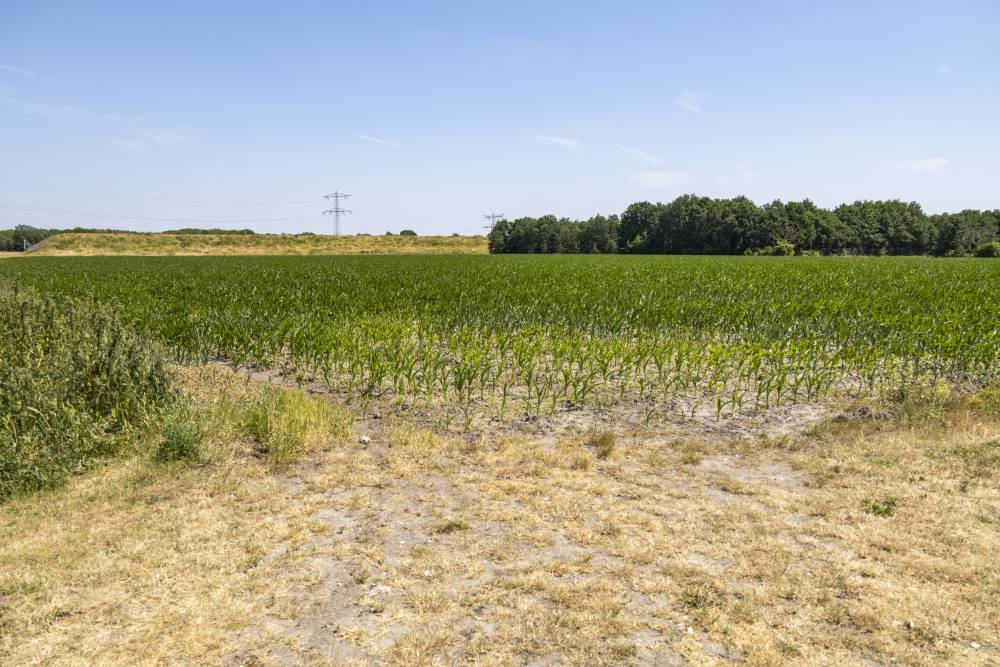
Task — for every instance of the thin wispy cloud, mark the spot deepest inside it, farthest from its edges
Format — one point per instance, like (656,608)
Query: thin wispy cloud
(736,172)
(746,175)
(638,154)
(138,132)
(380,142)
(128,145)
(691,101)
(660,179)
(162,138)
(36,109)
(562,142)
(26,73)
(933,164)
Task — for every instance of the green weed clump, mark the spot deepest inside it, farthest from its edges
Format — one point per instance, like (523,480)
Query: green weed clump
(75,383)
(885,508)
(284,422)
(184,435)
(603,443)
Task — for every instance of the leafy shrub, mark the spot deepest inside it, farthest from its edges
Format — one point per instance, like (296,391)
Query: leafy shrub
(407,232)
(183,435)
(991,249)
(74,382)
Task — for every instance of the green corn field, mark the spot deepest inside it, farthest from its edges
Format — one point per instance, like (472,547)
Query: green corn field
(532,334)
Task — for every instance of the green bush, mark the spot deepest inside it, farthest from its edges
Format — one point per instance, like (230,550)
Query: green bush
(991,249)
(784,248)
(74,383)
(183,435)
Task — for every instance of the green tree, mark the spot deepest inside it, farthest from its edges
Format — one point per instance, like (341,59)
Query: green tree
(638,223)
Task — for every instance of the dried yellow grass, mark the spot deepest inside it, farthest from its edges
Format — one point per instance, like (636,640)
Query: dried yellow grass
(420,548)
(134,243)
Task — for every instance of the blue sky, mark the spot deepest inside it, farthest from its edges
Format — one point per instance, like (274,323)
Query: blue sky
(433,114)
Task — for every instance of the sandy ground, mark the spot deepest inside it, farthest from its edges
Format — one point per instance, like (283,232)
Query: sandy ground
(842,541)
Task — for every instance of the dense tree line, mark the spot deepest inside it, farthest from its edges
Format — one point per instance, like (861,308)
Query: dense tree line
(550,234)
(703,225)
(16,238)
(213,230)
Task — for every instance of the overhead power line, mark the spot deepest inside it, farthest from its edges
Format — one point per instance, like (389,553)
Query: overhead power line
(115,216)
(143,197)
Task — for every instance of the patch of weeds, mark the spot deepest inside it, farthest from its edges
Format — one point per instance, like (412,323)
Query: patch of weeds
(371,605)
(602,442)
(450,526)
(919,634)
(184,433)
(923,401)
(885,508)
(700,598)
(784,648)
(735,488)
(609,528)
(989,401)
(285,422)
(690,457)
(655,457)
(581,462)
(980,460)
(839,426)
(359,575)
(623,650)
(690,452)
(990,515)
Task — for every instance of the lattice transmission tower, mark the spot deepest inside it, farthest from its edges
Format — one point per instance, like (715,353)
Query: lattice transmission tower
(492,217)
(336,211)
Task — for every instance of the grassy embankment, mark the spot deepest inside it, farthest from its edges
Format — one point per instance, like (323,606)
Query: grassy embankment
(132,243)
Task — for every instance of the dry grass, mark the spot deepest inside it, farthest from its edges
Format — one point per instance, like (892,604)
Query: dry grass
(133,243)
(141,563)
(418,548)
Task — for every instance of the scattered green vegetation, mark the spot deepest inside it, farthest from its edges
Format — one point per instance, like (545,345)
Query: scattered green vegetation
(534,334)
(282,422)
(75,385)
(450,526)
(603,443)
(184,434)
(883,508)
